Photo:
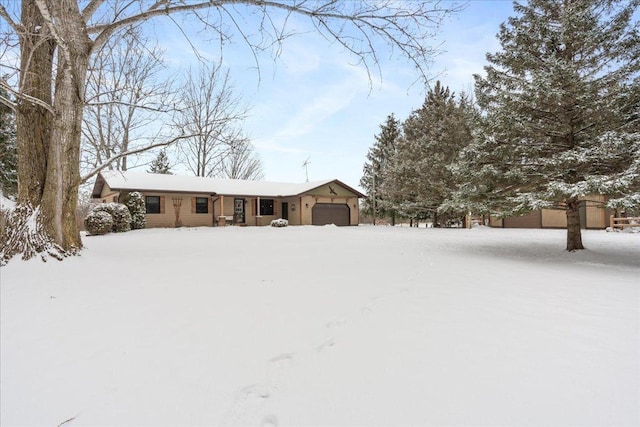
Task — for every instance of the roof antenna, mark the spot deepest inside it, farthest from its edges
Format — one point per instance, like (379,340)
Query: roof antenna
(305,165)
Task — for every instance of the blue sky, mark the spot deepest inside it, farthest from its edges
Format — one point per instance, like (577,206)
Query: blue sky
(312,102)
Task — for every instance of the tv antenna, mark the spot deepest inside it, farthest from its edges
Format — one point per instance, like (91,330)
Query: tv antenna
(305,165)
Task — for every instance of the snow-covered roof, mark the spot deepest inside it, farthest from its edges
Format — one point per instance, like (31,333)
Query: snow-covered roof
(136,181)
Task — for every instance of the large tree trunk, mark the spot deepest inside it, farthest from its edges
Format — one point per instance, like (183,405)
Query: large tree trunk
(33,121)
(49,144)
(574,234)
(63,172)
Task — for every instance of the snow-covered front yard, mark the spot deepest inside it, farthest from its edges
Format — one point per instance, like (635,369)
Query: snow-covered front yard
(325,326)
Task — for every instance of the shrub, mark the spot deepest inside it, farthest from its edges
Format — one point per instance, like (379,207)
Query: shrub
(135,203)
(279,222)
(119,213)
(98,222)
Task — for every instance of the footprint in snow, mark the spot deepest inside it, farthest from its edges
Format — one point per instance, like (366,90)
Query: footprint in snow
(329,343)
(255,392)
(335,323)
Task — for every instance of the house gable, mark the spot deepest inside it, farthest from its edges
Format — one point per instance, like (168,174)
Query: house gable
(334,188)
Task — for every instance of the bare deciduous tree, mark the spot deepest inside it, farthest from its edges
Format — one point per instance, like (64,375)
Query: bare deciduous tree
(124,96)
(211,114)
(242,163)
(57,39)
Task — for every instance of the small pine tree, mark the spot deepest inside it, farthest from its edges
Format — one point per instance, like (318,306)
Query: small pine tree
(135,203)
(161,164)
(375,169)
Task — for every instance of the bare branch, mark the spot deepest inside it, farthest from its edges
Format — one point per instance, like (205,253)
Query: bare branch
(6,101)
(91,8)
(211,114)
(25,97)
(17,27)
(405,26)
(112,159)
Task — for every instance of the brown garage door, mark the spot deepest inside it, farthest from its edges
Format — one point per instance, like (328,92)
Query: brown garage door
(328,213)
(531,220)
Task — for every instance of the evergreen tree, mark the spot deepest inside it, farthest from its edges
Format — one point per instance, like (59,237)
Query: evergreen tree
(160,164)
(8,150)
(134,201)
(379,159)
(420,175)
(559,110)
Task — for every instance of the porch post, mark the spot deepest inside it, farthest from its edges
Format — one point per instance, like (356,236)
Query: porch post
(221,218)
(257,210)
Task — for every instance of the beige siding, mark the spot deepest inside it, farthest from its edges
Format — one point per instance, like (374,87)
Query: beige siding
(596,213)
(294,209)
(223,206)
(331,193)
(251,211)
(331,190)
(354,207)
(184,206)
(300,208)
(554,218)
(107,195)
(261,220)
(495,222)
(307,203)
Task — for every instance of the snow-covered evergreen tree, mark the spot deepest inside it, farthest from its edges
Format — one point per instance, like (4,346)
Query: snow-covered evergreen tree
(378,161)
(8,150)
(134,201)
(161,164)
(559,102)
(433,136)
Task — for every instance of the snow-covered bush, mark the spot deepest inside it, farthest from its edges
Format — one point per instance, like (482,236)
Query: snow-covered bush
(279,222)
(119,213)
(98,222)
(135,203)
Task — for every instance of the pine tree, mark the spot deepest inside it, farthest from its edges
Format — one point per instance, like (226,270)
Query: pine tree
(558,101)
(160,164)
(375,169)
(8,150)
(433,136)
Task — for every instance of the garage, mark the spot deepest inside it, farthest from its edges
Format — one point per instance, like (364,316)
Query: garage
(531,220)
(329,213)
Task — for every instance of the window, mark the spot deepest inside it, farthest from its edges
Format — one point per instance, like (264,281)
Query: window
(152,204)
(266,206)
(202,205)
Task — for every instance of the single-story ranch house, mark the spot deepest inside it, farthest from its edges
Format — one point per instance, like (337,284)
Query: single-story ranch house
(174,200)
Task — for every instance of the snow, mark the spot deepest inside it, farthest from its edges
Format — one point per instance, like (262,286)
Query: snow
(6,203)
(325,326)
(235,187)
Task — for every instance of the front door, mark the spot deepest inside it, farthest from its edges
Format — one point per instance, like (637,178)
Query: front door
(285,210)
(238,211)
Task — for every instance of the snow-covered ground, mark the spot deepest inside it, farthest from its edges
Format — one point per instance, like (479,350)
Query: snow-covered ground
(325,326)
(6,203)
